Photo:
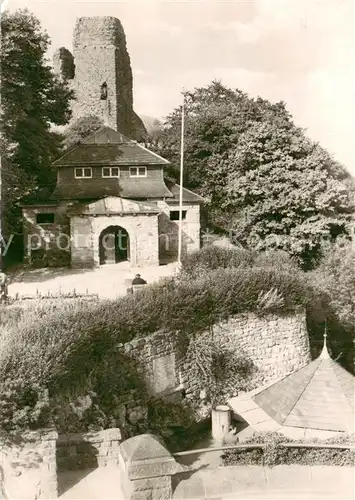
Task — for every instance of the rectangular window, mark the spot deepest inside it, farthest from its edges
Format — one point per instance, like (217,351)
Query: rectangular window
(110,172)
(138,171)
(45,218)
(175,215)
(83,173)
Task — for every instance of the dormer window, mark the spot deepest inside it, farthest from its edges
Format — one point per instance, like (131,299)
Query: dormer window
(138,171)
(83,173)
(110,172)
(103,92)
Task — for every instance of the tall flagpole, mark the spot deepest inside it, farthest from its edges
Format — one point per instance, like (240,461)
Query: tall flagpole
(181,180)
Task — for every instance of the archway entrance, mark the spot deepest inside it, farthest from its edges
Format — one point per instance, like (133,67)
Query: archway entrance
(114,245)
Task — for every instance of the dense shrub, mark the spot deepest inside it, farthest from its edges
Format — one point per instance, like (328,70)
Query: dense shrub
(220,372)
(66,350)
(334,282)
(275,453)
(213,257)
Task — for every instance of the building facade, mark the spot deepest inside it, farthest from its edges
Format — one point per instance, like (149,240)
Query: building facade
(111,203)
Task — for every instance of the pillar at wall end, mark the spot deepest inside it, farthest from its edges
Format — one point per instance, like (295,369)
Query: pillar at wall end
(221,421)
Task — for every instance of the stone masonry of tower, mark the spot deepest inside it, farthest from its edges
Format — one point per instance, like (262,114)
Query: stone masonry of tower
(100,73)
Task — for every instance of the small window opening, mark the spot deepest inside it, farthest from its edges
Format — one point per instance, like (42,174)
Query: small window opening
(175,215)
(103,93)
(138,172)
(45,218)
(110,172)
(80,173)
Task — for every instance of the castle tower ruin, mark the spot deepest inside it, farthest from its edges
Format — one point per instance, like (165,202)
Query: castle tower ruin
(101,74)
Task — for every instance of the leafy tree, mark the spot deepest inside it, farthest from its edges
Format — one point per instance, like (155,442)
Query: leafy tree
(283,191)
(215,117)
(80,129)
(263,178)
(33,100)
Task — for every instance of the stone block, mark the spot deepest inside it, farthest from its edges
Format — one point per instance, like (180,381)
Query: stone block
(161,494)
(113,435)
(151,483)
(142,495)
(164,373)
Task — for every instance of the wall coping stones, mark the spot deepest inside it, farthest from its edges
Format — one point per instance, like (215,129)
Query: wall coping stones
(92,437)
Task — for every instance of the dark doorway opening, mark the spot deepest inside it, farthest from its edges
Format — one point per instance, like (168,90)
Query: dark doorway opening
(114,245)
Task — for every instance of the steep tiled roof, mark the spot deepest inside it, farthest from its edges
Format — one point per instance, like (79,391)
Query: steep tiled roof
(318,396)
(188,196)
(140,188)
(108,147)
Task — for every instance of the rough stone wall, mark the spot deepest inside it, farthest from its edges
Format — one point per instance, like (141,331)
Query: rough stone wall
(143,238)
(156,361)
(86,451)
(47,244)
(63,63)
(101,56)
(277,345)
(29,469)
(169,230)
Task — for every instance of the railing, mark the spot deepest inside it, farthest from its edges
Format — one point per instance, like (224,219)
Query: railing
(53,295)
(263,445)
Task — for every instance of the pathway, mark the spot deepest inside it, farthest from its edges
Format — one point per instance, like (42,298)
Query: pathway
(107,281)
(102,483)
(254,482)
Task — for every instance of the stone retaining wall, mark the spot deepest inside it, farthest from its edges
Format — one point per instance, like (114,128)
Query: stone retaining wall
(88,451)
(275,344)
(29,468)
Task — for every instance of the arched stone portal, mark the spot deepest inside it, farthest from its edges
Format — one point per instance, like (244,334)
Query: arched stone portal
(114,245)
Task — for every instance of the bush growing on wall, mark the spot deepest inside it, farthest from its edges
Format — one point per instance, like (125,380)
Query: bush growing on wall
(274,453)
(70,349)
(220,372)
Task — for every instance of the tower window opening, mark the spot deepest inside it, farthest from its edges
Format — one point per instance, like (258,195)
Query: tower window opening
(103,93)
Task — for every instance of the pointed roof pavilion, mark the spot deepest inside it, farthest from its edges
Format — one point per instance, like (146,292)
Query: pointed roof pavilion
(319,396)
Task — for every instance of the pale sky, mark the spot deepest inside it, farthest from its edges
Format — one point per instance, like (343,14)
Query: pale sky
(298,51)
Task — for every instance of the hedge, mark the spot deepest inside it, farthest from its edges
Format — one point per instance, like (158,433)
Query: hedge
(211,258)
(276,452)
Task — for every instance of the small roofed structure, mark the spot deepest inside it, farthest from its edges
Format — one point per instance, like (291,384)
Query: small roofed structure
(315,401)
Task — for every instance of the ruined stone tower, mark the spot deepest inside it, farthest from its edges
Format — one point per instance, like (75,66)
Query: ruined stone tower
(101,75)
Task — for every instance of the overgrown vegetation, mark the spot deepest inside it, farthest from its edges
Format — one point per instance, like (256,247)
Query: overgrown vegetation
(220,372)
(59,351)
(32,100)
(61,362)
(275,453)
(329,290)
(266,182)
